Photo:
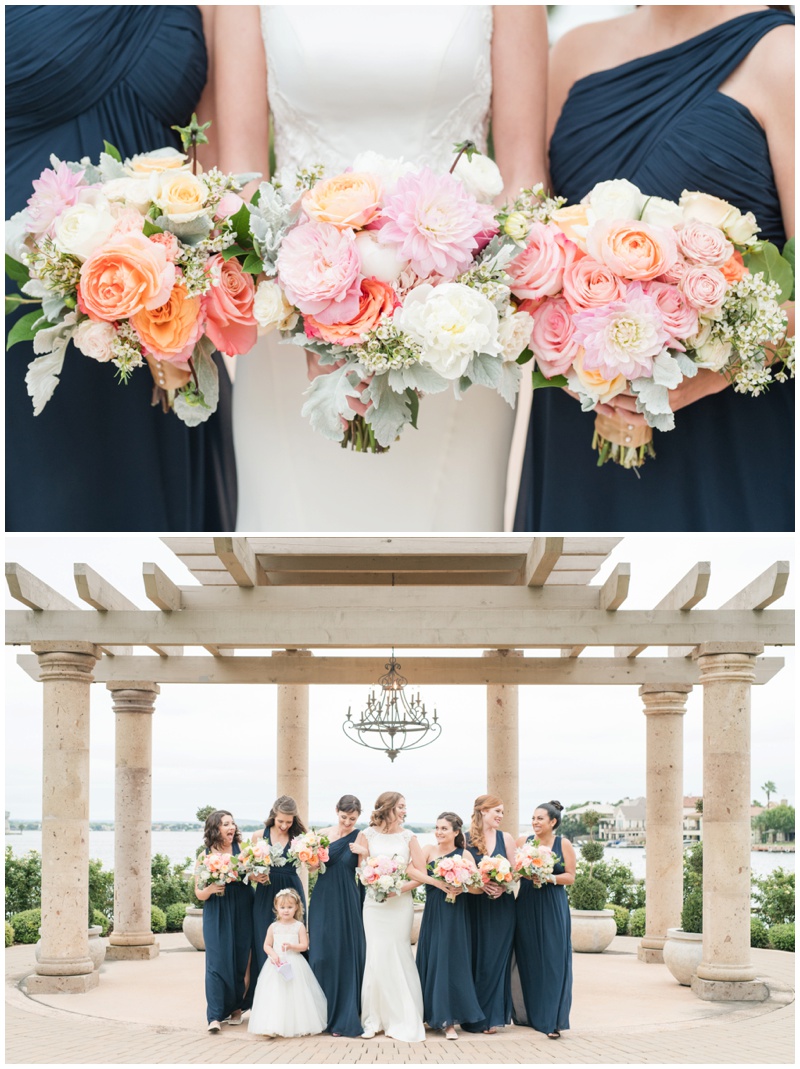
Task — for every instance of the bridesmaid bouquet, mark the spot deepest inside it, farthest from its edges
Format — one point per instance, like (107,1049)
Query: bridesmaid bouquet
(394,276)
(309,849)
(630,293)
(454,871)
(381,876)
(218,869)
(134,260)
(496,870)
(535,861)
(256,859)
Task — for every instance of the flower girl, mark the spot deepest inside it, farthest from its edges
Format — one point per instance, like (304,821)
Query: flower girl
(288,1001)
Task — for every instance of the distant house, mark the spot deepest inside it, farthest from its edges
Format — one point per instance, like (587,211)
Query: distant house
(692,820)
(629,821)
(605,829)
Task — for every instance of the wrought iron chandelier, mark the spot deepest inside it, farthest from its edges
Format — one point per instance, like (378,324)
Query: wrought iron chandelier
(390,721)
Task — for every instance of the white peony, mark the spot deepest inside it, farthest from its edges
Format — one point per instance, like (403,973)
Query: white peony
(661,212)
(616,199)
(82,229)
(387,169)
(95,339)
(271,309)
(480,176)
(378,261)
(133,191)
(386,883)
(515,334)
(451,323)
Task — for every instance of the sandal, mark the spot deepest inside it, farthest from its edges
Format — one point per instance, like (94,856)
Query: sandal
(554,1035)
(213,1026)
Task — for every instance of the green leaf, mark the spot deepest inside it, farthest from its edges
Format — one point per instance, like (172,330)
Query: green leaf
(525,356)
(231,251)
(256,197)
(764,257)
(149,228)
(16,271)
(253,265)
(241,224)
(23,329)
(788,255)
(112,151)
(539,381)
(15,300)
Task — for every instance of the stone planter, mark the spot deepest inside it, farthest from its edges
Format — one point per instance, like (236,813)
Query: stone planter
(193,928)
(683,952)
(97,947)
(592,930)
(415,924)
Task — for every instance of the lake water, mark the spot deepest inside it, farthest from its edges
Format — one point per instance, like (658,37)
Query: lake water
(178,845)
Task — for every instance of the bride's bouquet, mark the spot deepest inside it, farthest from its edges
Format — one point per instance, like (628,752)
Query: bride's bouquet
(134,261)
(219,869)
(309,849)
(496,870)
(535,861)
(455,871)
(257,859)
(382,876)
(394,276)
(631,293)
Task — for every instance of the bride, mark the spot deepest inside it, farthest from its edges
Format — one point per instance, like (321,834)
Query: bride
(404,82)
(391,995)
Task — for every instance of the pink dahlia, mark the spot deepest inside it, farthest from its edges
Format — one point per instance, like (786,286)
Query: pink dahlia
(624,337)
(54,191)
(318,269)
(434,223)
(677,315)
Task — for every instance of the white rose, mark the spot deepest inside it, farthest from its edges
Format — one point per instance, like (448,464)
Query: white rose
(388,170)
(83,228)
(95,339)
(741,229)
(515,334)
(660,212)
(271,309)
(385,882)
(452,323)
(377,260)
(133,191)
(705,327)
(704,207)
(480,176)
(615,199)
(713,354)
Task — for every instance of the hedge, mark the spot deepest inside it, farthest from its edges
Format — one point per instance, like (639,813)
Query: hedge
(9,935)
(158,919)
(637,926)
(26,925)
(781,937)
(621,916)
(759,936)
(174,915)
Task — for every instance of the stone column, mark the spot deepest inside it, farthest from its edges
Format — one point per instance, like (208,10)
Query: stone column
(502,743)
(64,964)
(664,707)
(727,672)
(292,744)
(132,938)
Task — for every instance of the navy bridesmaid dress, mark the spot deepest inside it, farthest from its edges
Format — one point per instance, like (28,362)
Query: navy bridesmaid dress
(492,928)
(444,959)
(661,122)
(280,879)
(99,457)
(543,951)
(336,943)
(228,935)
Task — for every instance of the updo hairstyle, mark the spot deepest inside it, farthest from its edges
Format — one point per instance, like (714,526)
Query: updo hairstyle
(553,810)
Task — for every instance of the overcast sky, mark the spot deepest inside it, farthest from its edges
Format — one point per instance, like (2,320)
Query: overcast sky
(215,744)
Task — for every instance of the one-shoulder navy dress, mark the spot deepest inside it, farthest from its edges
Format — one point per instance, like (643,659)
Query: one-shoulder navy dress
(228,935)
(280,879)
(99,457)
(661,122)
(336,943)
(543,951)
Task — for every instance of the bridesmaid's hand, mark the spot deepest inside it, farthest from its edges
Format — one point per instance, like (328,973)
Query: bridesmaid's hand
(362,851)
(263,878)
(492,890)
(704,384)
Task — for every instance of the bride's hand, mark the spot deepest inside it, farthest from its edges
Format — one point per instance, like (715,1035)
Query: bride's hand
(362,851)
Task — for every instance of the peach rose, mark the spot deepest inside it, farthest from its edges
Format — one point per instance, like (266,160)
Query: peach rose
(351,199)
(162,159)
(573,222)
(589,284)
(601,390)
(127,274)
(377,299)
(636,251)
(170,331)
(734,269)
(228,307)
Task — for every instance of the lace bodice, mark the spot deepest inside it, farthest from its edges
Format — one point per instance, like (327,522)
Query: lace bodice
(401,81)
(381,843)
(285,933)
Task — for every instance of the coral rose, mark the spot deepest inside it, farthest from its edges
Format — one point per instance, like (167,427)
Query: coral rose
(538,270)
(377,300)
(553,337)
(589,284)
(170,331)
(127,274)
(228,307)
(734,268)
(346,200)
(636,251)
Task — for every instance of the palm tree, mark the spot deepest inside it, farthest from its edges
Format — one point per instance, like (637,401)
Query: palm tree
(591,818)
(768,788)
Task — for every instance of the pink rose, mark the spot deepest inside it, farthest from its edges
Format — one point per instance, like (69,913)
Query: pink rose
(229,205)
(538,270)
(169,241)
(636,251)
(553,337)
(704,288)
(589,284)
(704,244)
(318,267)
(678,316)
(675,272)
(228,307)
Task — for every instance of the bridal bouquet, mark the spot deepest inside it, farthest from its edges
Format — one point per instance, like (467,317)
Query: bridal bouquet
(455,871)
(309,849)
(381,876)
(394,276)
(218,869)
(256,859)
(635,293)
(535,861)
(496,870)
(131,260)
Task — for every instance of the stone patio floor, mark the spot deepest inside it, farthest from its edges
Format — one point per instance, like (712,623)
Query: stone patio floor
(152,1013)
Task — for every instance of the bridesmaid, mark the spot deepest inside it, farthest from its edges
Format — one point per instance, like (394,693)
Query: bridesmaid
(337,946)
(674,97)
(227,930)
(492,918)
(543,946)
(443,949)
(281,826)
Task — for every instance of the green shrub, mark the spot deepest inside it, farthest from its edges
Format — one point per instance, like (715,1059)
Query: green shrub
(591,851)
(158,919)
(23,881)
(174,915)
(774,897)
(623,887)
(587,893)
(759,937)
(637,925)
(692,912)
(26,925)
(102,920)
(168,884)
(9,935)
(101,889)
(621,916)
(781,937)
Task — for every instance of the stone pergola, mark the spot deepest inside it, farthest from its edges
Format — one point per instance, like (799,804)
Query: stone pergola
(527,608)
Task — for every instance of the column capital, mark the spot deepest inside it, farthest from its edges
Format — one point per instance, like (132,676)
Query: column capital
(66,660)
(133,697)
(718,661)
(664,699)
(708,649)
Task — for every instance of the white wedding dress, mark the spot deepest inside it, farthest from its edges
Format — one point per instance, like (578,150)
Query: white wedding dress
(402,81)
(391,995)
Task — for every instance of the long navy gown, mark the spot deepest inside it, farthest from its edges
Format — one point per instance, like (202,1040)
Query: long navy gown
(99,457)
(228,935)
(444,959)
(336,943)
(492,928)
(661,122)
(543,951)
(280,879)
